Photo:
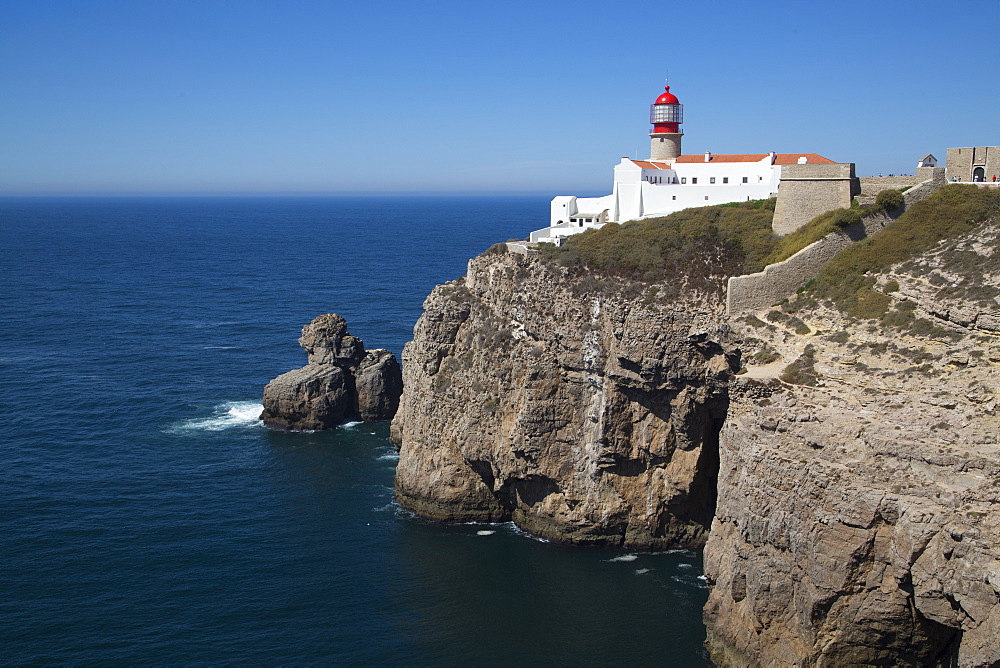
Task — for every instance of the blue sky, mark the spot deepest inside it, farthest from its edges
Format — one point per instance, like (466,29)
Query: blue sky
(178,96)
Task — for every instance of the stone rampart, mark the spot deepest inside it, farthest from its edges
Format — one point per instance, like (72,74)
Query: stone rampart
(807,190)
(873,185)
(780,280)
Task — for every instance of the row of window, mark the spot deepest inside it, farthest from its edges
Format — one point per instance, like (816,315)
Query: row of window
(711,179)
(694,179)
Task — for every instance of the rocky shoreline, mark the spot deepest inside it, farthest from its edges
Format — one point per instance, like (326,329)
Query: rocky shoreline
(847,513)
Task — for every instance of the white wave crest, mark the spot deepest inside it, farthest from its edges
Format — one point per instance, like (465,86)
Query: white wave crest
(230,415)
(642,571)
(350,425)
(485,532)
(625,557)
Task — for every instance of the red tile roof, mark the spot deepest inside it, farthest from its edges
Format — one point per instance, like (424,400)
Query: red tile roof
(732,157)
(779,159)
(647,164)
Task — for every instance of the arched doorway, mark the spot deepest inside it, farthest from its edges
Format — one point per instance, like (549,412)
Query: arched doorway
(978,174)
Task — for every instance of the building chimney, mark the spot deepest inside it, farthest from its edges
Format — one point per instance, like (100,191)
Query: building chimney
(708,156)
(803,160)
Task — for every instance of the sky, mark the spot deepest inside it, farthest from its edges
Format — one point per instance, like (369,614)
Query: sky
(302,97)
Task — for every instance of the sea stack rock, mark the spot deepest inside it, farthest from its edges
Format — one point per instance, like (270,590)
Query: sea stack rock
(341,381)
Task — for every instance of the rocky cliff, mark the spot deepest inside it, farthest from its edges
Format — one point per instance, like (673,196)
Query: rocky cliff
(847,470)
(341,381)
(857,521)
(574,407)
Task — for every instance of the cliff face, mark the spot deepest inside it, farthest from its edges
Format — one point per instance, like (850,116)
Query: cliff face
(857,520)
(852,506)
(569,405)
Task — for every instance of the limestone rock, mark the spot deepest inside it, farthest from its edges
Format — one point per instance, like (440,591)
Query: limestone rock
(379,384)
(311,398)
(340,382)
(327,341)
(580,415)
(853,522)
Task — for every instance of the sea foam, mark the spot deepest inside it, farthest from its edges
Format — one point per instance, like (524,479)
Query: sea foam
(230,415)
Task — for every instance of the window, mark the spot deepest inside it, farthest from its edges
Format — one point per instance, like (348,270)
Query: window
(712,180)
(744,179)
(694,180)
(684,179)
(706,198)
(675,196)
(725,179)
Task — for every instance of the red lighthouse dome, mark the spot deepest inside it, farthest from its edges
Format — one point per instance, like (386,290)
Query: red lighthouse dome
(667,113)
(666,97)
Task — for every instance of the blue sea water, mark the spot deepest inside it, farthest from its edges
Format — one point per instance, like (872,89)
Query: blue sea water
(147,517)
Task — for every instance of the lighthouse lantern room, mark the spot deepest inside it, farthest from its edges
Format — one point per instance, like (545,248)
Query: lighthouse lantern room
(666,114)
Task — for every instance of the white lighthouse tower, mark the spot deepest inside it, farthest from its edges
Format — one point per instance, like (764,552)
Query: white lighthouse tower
(666,115)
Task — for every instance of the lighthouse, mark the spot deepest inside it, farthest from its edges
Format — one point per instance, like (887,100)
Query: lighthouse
(671,181)
(666,115)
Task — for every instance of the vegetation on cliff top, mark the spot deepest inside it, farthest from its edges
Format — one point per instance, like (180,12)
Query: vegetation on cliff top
(695,242)
(722,240)
(848,279)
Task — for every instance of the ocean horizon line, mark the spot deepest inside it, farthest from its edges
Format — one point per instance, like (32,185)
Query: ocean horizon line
(284,194)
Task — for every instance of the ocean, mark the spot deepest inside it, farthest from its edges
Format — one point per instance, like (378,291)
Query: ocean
(147,517)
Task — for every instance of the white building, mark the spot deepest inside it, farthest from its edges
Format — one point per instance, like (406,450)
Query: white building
(669,181)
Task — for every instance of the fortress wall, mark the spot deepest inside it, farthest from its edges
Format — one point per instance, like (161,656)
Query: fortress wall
(780,280)
(873,185)
(961,161)
(805,191)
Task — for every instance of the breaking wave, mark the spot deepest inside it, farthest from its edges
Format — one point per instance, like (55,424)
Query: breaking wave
(230,415)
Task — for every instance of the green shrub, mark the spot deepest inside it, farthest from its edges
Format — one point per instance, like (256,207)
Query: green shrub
(496,249)
(901,317)
(889,200)
(776,316)
(797,326)
(891,286)
(803,370)
(765,355)
(839,337)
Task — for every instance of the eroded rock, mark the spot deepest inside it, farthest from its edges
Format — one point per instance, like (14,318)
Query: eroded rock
(341,381)
(584,417)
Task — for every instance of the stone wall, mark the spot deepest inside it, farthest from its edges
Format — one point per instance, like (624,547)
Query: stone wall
(960,162)
(871,186)
(779,280)
(805,191)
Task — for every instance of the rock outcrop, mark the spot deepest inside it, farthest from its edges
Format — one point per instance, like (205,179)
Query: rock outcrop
(857,521)
(341,381)
(852,506)
(573,408)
